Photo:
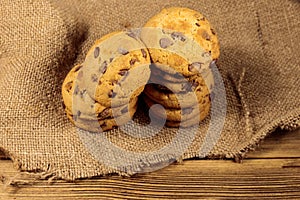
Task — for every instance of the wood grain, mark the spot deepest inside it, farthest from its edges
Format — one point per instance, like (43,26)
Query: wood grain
(279,145)
(272,172)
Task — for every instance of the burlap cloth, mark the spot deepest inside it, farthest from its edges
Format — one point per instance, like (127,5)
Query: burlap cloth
(41,40)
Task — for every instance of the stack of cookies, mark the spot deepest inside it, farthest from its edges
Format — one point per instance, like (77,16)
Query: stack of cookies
(97,94)
(173,53)
(182,46)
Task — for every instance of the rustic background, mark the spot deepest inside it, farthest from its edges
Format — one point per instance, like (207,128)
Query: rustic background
(41,40)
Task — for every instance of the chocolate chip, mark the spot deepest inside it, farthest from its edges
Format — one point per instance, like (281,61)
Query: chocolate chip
(96,52)
(196,66)
(69,86)
(187,111)
(195,84)
(103,126)
(111,59)
(197,24)
(82,93)
(112,94)
(123,72)
(94,78)
(114,126)
(199,89)
(206,36)
(178,36)
(103,67)
(114,82)
(124,110)
(132,61)
(144,53)
(76,90)
(165,43)
(103,114)
(213,31)
(78,113)
(123,51)
(78,68)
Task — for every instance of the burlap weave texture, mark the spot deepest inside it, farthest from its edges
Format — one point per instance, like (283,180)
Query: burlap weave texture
(41,40)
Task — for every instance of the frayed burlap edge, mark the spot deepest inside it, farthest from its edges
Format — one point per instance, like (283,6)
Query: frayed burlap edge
(31,178)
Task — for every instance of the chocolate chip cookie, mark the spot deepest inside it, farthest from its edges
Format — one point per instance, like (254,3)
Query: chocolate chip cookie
(99,126)
(195,95)
(183,46)
(115,69)
(88,114)
(178,115)
(182,23)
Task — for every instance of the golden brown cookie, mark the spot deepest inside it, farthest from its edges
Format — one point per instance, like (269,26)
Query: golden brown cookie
(82,103)
(168,99)
(185,124)
(114,69)
(178,115)
(100,125)
(107,112)
(178,83)
(181,39)
(88,114)
(188,23)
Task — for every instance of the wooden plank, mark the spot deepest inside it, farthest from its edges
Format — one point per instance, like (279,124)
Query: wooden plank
(273,171)
(254,179)
(279,145)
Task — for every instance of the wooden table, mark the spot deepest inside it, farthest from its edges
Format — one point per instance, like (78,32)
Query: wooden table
(272,172)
